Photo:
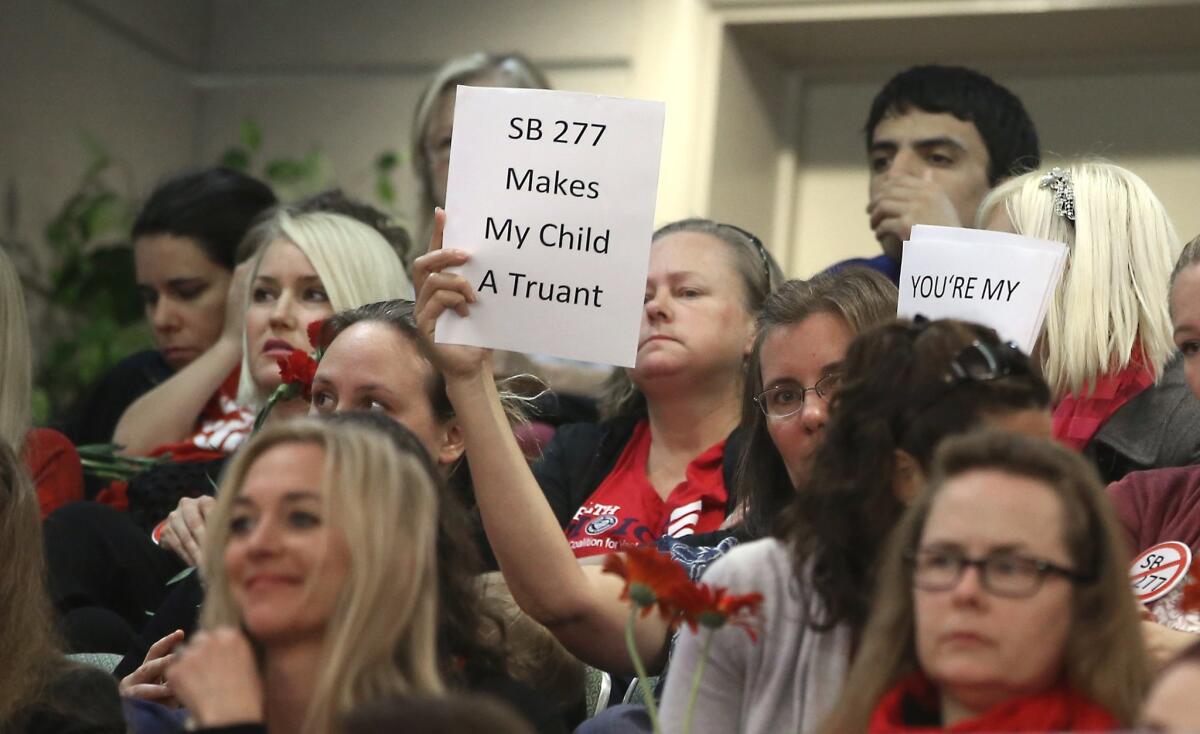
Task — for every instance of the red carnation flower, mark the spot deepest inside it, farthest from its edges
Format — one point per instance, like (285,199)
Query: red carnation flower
(298,370)
(314,334)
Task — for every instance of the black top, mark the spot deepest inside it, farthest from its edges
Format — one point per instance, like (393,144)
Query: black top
(1159,427)
(581,455)
(95,417)
(81,700)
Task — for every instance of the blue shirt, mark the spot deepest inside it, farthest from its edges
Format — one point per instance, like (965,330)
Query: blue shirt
(882,263)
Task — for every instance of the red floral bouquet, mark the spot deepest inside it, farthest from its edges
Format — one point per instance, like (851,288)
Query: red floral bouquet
(296,372)
(653,579)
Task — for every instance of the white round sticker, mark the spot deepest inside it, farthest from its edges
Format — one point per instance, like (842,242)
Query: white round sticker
(1159,569)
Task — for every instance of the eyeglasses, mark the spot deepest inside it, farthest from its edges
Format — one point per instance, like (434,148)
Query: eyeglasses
(759,248)
(785,400)
(1002,574)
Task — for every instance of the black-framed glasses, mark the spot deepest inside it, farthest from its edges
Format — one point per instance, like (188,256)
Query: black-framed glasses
(787,400)
(759,248)
(1003,574)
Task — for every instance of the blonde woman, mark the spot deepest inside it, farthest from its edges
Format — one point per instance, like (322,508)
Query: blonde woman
(1107,349)
(39,690)
(1003,602)
(307,267)
(50,457)
(321,525)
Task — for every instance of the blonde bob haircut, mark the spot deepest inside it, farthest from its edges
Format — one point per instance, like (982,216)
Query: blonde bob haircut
(355,263)
(381,639)
(1113,296)
(16,359)
(1104,659)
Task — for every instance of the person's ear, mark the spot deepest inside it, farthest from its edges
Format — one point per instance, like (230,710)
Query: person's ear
(453,444)
(908,479)
(748,348)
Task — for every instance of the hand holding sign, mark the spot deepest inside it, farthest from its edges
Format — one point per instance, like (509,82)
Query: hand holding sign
(1000,280)
(552,196)
(438,292)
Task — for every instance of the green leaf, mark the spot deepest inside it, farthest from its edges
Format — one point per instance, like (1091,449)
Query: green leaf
(251,135)
(387,161)
(104,214)
(237,159)
(98,155)
(385,191)
(285,171)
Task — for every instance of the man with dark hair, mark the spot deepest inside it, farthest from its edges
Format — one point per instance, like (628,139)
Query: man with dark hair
(938,139)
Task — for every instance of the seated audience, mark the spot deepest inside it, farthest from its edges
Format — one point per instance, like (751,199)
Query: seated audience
(40,691)
(376,361)
(663,463)
(319,527)
(296,269)
(1003,603)
(185,241)
(1106,350)
(904,387)
(309,265)
(1164,504)
(50,457)
(802,333)
(938,138)
(1172,705)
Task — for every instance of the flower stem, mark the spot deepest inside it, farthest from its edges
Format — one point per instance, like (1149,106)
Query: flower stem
(696,677)
(643,676)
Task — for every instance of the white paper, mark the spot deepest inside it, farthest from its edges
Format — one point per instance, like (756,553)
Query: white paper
(997,279)
(595,160)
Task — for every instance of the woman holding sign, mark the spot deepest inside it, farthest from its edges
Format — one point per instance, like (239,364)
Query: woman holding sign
(1107,350)
(1002,603)
(660,466)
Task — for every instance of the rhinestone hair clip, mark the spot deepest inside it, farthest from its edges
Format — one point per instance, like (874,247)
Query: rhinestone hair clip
(1059,181)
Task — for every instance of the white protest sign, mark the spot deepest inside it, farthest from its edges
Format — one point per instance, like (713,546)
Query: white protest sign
(997,279)
(553,195)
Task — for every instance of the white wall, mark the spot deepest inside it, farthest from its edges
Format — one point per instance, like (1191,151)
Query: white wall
(346,77)
(66,73)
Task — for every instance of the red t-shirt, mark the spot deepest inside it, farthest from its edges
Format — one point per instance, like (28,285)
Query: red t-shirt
(625,509)
(55,467)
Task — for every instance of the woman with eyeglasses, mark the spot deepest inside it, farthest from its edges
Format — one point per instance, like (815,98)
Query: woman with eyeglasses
(903,388)
(1003,603)
(1120,393)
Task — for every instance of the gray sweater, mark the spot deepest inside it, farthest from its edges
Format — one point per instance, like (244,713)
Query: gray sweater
(786,682)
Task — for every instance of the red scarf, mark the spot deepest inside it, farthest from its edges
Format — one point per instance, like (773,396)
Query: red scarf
(1076,419)
(1057,710)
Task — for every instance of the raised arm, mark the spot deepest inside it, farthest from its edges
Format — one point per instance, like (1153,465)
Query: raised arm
(168,413)
(579,605)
